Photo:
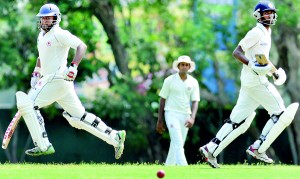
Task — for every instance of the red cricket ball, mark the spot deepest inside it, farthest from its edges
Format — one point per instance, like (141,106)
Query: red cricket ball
(160,173)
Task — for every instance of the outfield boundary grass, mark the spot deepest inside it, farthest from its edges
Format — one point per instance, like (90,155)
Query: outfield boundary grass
(145,171)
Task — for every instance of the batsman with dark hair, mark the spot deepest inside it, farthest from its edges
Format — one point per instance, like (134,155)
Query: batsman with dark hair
(53,81)
(255,90)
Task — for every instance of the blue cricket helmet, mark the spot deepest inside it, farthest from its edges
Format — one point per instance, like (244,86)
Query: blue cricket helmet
(49,10)
(263,6)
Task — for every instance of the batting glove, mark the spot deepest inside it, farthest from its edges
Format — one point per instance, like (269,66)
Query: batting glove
(279,77)
(71,72)
(261,69)
(35,77)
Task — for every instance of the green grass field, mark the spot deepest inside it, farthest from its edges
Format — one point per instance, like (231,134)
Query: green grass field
(144,171)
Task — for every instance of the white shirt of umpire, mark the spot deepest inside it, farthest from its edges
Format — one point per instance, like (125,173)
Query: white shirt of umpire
(256,41)
(53,49)
(179,94)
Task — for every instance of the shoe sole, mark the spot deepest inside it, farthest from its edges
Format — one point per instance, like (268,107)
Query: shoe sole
(34,155)
(204,156)
(258,158)
(48,152)
(122,143)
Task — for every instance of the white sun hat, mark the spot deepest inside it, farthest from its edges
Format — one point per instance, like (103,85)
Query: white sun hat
(184,59)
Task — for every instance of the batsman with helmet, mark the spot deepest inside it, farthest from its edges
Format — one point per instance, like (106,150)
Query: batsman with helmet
(255,90)
(53,81)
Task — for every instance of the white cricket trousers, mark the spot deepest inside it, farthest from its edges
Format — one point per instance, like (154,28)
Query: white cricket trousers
(249,99)
(53,88)
(175,122)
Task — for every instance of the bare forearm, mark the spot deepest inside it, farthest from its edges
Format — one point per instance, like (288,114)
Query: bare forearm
(161,109)
(81,49)
(38,62)
(160,127)
(238,53)
(194,109)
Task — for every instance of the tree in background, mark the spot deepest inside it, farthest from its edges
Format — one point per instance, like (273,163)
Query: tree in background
(136,41)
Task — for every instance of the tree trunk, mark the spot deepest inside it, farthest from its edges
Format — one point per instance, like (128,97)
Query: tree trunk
(104,11)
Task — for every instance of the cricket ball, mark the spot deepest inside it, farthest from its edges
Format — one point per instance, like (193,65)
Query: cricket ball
(160,173)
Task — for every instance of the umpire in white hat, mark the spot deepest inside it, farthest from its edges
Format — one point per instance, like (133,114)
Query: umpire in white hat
(179,98)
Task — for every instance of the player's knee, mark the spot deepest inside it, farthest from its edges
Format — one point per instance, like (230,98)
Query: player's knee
(78,113)
(73,121)
(244,127)
(24,103)
(248,122)
(245,124)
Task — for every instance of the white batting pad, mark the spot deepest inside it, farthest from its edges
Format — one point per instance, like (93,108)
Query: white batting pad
(228,134)
(95,126)
(284,120)
(35,123)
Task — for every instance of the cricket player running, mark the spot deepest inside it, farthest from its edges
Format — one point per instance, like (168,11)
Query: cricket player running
(179,100)
(255,90)
(52,81)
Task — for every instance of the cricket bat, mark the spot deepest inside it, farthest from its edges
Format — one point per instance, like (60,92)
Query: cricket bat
(10,130)
(15,121)
(262,60)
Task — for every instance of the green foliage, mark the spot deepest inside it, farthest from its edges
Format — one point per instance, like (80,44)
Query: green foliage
(287,12)
(17,54)
(154,33)
(124,108)
(154,37)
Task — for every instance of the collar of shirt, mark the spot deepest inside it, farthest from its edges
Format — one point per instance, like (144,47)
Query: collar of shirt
(263,28)
(178,77)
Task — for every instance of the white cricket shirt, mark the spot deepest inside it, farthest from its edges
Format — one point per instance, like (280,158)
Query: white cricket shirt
(256,41)
(179,94)
(53,49)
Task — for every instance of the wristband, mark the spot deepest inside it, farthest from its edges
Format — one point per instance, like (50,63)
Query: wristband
(74,64)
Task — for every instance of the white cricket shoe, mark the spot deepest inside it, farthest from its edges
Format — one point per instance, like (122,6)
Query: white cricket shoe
(208,157)
(260,156)
(121,135)
(37,151)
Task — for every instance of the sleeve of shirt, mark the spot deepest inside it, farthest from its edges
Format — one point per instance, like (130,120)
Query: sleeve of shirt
(165,90)
(251,38)
(195,96)
(67,39)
